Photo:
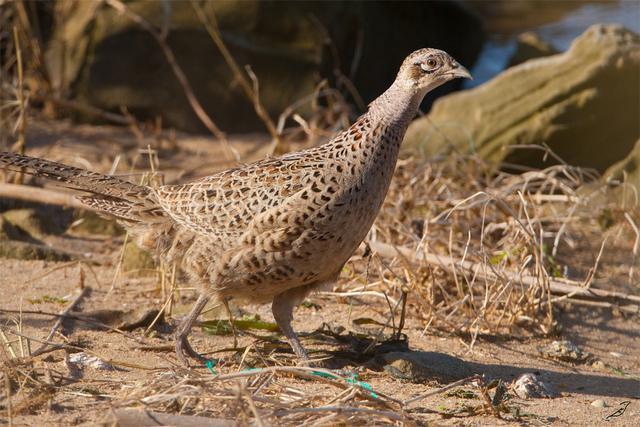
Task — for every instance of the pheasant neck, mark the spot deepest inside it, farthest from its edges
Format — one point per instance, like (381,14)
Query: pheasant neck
(397,106)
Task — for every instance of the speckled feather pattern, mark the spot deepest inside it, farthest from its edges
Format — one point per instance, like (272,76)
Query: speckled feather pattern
(287,222)
(265,228)
(258,230)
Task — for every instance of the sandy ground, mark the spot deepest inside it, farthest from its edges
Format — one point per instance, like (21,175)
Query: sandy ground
(613,340)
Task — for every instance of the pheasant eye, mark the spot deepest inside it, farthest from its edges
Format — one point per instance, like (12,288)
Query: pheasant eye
(429,65)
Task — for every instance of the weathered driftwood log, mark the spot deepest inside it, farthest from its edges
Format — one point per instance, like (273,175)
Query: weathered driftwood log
(629,303)
(582,103)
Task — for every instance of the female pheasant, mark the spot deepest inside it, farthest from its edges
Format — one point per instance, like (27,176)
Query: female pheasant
(277,229)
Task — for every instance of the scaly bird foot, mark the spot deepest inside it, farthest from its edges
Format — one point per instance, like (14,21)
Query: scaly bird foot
(184,350)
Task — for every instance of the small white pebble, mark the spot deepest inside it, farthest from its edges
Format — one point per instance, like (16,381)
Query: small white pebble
(83,359)
(599,403)
(616,354)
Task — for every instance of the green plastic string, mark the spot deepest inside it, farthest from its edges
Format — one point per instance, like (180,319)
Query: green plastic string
(353,379)
(210,364)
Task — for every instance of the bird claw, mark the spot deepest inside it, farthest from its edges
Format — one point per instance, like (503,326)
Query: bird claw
(184,350)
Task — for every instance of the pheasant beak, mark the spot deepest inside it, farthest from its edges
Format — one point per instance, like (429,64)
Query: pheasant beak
(458,71)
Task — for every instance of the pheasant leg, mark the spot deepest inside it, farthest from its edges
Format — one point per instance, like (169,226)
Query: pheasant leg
(282,308)
(183,348)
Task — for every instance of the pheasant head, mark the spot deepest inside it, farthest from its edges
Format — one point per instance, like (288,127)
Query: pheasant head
(426,69)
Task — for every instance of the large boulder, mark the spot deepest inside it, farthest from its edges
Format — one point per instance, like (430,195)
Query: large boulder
(582,103)
(102,58)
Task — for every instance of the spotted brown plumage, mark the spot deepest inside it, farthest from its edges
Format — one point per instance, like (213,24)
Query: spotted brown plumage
(274,230)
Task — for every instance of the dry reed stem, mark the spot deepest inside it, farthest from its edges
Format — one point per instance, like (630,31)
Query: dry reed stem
(250,88)
(179,73)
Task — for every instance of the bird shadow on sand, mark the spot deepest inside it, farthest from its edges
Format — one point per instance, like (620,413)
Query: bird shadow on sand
(396,358)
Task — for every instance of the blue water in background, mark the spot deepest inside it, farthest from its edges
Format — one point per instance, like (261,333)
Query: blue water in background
(499,48)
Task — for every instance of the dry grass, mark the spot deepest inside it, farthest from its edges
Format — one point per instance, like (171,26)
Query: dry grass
(281,395)
(519,232)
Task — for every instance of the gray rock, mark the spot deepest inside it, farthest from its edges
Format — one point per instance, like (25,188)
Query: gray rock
(28,221)
(95,52)
(83,360)
(509,17)
(566,351)
(422,366)
(576,102)
(529,386)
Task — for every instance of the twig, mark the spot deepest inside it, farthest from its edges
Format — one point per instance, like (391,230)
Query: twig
(81,318)
(403,313)
(161,312)
(7,384)
(116,274)
(587,282)
(247,396)
(232,323)
(631,309)
(7,343)
(339,409)
(261,112)
(358,294)
(61,266)
(556,286)
(59,346)
(41,195)
(178,72)
(83,292)
(83,108)
(440,390)
(22,118)
(250,89)
(488,403)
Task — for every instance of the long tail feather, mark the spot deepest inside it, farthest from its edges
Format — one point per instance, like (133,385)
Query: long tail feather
(109,194)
